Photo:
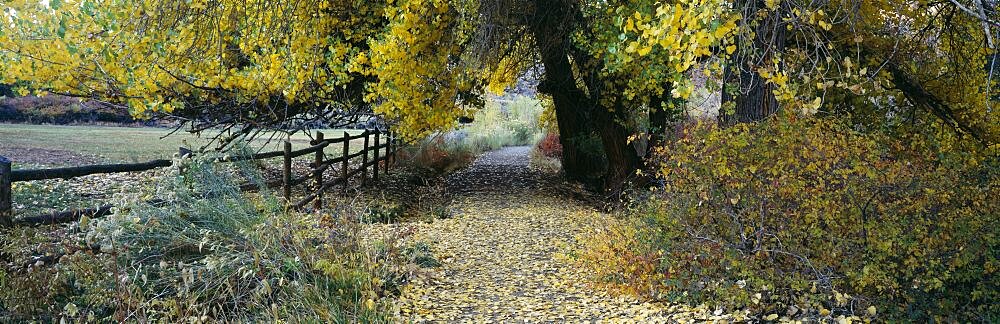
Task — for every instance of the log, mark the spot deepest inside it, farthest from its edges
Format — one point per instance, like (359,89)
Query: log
(310,197)
(250,187)
(274,154)
(64,216)
(320,140)
(360,135)
(332,161)
(388,150)
(183,151)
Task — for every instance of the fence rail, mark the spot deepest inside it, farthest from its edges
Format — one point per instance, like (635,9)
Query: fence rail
(314,194)
(73,172)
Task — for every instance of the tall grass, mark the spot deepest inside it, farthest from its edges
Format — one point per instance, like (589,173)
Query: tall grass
(502,123)
(195,248)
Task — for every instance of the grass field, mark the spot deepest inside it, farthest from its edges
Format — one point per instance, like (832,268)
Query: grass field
(51,145)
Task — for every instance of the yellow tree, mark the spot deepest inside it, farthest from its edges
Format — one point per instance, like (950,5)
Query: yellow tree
(254,65)
(614,69)
(243,65)
(878,61)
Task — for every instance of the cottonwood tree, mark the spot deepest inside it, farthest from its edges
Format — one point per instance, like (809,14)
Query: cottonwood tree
(877,61)
(617,71)
(244,66)
(614,69)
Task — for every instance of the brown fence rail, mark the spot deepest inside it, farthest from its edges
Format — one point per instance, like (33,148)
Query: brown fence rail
(314,194)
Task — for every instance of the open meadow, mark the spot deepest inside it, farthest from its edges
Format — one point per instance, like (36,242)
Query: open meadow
(57,145)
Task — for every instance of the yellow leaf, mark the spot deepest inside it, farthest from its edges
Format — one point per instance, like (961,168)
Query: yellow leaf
(645,50)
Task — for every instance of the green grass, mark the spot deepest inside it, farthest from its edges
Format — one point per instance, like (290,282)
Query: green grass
(107,144)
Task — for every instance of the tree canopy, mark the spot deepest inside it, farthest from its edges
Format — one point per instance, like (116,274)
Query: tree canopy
(247,65)
(617,71)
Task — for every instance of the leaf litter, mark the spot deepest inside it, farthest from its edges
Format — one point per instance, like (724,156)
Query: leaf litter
(505,255)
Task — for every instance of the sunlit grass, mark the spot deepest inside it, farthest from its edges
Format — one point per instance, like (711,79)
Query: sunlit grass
(109,144)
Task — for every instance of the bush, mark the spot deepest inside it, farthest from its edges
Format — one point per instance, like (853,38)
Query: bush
(210,254)
(56,109)
(547,153)
(437,155)
(503,124)
(805,212)
(495,126)
(550,146)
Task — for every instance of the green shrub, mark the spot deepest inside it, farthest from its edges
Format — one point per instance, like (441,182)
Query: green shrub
(500,124)
(805,212)
(382,211)
(421,255)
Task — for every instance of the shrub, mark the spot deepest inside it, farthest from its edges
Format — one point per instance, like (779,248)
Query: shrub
(437,156)
(805,212)
(58,109)
(623,258)
(383,211)
(495,126)
(503,124)
(211,253)
(550,146)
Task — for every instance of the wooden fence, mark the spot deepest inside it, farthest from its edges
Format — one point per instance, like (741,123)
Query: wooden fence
(318,184)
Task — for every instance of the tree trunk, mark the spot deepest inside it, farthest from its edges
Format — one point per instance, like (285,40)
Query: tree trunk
(659,118)
(551,30)
(746,96)
(623,159)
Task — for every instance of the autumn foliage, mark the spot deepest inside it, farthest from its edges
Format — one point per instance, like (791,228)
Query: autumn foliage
(549,146)
(812,214)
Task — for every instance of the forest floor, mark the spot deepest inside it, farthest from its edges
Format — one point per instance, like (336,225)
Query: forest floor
(505,253)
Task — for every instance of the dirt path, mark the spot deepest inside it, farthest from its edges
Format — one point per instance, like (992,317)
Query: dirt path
(503,254)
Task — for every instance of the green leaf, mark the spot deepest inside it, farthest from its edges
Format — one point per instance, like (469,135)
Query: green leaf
(88,8)
(62,29)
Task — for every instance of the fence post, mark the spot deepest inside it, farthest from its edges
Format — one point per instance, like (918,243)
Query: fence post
(6,203)
(344,165)
(364,160)
(286,179)
(388,150)
(376,160)
(317,173)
